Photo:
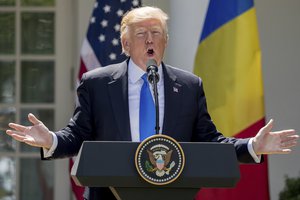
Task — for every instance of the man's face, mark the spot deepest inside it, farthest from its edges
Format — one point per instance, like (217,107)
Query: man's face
(145,40)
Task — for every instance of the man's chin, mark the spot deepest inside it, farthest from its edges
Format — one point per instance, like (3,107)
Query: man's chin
(154,58)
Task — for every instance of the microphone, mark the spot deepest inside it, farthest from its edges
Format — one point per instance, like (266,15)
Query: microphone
(153,78)
(152,70)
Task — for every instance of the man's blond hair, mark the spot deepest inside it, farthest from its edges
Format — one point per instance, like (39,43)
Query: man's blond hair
(140,14)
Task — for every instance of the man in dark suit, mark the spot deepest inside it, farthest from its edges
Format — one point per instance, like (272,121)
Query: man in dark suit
(109,98)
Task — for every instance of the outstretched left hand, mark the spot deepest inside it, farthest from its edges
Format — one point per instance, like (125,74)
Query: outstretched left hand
(278,142)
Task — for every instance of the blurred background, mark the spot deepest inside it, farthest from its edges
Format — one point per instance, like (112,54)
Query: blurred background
(40,42)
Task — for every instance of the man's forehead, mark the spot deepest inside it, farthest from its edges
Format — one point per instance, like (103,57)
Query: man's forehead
(153,23)
(154,27)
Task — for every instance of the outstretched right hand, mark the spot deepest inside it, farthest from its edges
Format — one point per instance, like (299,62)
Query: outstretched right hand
(37,135)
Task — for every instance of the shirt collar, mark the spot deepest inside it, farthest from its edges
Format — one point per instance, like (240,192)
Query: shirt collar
(135,72)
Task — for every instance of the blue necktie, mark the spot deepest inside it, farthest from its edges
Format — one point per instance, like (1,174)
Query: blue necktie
(147,111)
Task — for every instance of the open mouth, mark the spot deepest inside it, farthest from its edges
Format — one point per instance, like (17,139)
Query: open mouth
(150,52)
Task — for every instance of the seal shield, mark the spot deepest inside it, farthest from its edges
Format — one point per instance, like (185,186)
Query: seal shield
(159,159)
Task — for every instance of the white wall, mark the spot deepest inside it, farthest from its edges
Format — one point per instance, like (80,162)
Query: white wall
(279,31)
(279,35)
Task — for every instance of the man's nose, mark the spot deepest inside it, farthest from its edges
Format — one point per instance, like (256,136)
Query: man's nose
(149,38)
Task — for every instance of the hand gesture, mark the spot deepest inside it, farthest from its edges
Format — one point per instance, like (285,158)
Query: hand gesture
(37,135)
(278,142)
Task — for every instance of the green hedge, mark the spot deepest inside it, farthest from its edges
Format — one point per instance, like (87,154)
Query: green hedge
(291,190)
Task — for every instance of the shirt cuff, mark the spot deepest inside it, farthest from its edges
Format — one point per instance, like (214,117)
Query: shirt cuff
(257,158)
(49,152)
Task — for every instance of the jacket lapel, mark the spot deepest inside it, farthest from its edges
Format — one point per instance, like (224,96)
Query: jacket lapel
(173,100)
(118,91)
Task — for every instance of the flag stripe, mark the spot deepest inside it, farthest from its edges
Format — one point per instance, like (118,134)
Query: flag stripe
(88,57)
(77,191)
(253,128)
(82,69)
(220,12)
(231,88)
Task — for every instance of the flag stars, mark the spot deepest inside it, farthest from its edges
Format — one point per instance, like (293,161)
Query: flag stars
(93,20)
(117,27)
(101,38)
(120,13)
(115,42)
(135,2)
(104,23)
(96,5)
(106,8)
(112,56)
(122,1)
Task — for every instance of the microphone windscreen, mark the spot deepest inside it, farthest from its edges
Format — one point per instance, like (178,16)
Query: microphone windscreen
(151,62)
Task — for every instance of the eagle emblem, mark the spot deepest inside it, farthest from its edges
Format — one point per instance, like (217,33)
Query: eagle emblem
(159,157)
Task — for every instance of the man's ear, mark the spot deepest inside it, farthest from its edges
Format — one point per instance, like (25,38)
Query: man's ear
(125,44)
(167,41)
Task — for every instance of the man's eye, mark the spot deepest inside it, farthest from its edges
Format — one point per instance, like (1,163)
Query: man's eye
(156,33)
(140,34)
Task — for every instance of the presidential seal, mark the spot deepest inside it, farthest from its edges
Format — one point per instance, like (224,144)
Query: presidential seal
(159,159)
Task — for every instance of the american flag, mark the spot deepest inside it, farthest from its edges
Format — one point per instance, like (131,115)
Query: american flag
(102,45)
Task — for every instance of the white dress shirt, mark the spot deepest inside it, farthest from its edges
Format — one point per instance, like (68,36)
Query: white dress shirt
(135,83)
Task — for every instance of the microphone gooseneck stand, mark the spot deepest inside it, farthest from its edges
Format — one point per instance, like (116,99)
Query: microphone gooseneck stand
(153,78)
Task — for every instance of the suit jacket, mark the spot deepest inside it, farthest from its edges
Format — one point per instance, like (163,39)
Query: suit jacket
(103,114)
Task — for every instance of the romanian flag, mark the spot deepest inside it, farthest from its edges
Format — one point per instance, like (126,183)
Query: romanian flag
(229,62)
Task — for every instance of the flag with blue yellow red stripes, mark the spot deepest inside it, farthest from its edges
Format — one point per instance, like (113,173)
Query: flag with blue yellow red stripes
(228,60)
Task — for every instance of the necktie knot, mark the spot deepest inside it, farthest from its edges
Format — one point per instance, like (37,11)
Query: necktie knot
(145,78)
